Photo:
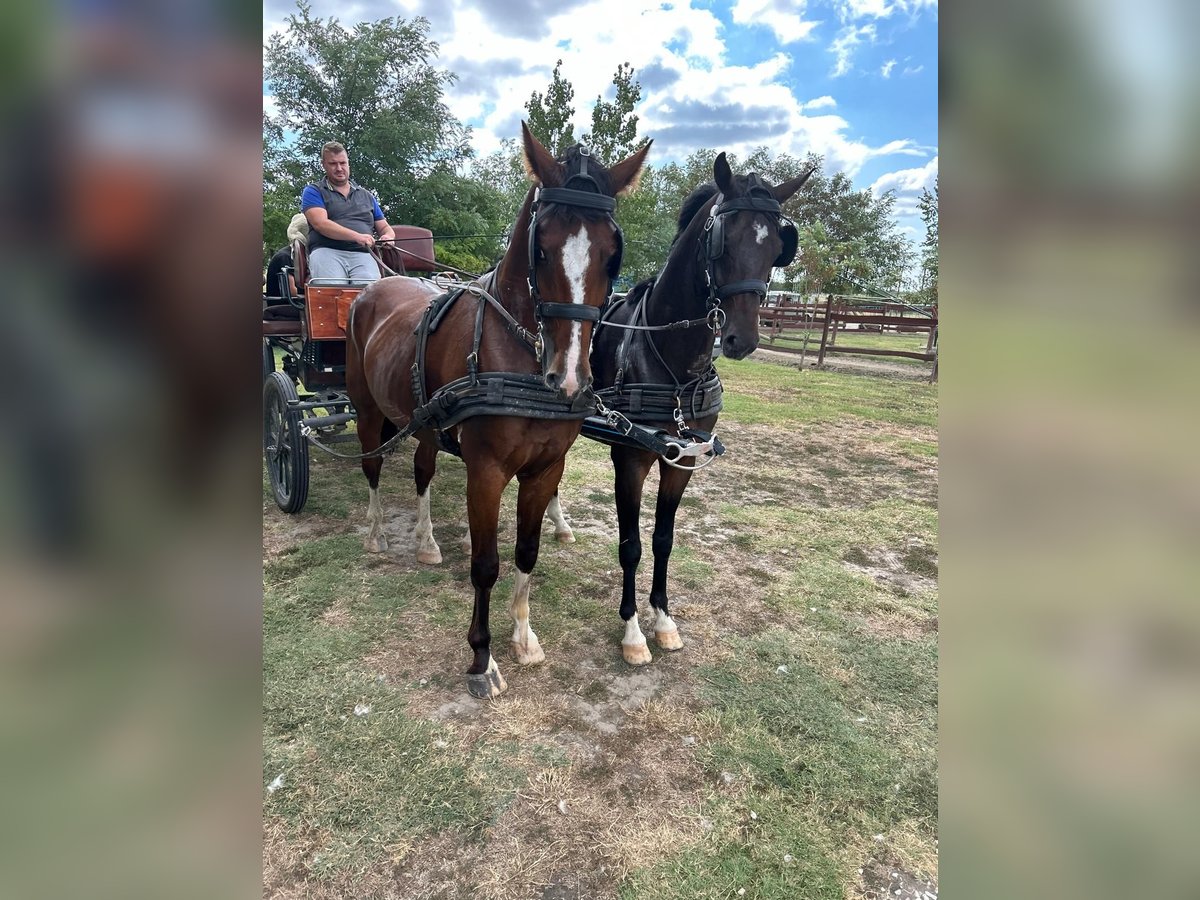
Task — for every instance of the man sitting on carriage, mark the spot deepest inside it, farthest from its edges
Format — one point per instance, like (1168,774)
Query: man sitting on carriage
(344,221)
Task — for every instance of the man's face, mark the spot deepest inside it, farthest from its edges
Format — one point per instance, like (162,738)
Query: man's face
(337,167)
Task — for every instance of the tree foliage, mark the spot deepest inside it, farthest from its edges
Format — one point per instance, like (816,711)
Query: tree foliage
(928,206)
(550,113)
(374,88)
(614,124)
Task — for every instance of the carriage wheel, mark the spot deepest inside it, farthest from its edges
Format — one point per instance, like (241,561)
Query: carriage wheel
(268,360)
(284,447)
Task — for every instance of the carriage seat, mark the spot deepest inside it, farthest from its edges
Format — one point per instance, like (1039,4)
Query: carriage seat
(412,252)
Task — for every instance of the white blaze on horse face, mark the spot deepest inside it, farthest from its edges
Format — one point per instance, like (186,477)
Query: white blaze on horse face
(760,232)
(575,257)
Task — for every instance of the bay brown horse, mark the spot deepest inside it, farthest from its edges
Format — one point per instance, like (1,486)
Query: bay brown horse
(731,234)
(551,282)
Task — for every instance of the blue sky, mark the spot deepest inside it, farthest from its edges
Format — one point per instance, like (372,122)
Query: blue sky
(852,80)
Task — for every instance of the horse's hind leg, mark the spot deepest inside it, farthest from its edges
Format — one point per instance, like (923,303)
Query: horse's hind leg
(562,530)
(424,467)
(373,430)
(534,496)
(672,483)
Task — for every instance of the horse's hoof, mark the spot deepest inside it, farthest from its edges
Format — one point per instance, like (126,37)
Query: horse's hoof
(636,654)
(528,655)
(668,640)
(430,557)
(565,537)
(376,544)
(488,686)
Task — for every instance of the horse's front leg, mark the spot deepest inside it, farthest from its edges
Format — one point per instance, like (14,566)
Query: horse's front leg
(532,500)
(631,468)
(672,483)
(485,484)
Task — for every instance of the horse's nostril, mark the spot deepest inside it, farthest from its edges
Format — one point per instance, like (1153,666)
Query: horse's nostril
(554,380)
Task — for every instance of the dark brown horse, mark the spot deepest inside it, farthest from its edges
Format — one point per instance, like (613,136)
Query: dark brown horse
(731,234)
(554,277)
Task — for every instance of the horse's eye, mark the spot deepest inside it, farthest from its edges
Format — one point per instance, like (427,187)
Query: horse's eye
(541,255)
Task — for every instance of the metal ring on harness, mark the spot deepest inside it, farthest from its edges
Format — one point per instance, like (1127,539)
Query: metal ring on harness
(716,319)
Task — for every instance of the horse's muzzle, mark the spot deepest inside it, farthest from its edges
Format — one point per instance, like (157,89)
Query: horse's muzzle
(736,347)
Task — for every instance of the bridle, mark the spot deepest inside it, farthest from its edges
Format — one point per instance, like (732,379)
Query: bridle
(758,198)
(587,196)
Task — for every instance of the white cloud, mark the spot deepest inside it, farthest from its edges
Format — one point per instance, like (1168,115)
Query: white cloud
(696,93)
(853,10)
(907,185)
(912,70)
(786,19)
(844,45)
(886,71)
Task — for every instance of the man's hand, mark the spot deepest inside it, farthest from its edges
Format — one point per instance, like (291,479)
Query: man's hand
(365,240)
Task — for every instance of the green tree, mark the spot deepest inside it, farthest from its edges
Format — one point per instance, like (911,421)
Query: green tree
(550,113)
(647,219)
(375,89)
(928,206)
(614,125)
(282,177)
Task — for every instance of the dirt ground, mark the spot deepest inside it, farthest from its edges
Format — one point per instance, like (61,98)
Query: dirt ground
(628,786)
(858,365)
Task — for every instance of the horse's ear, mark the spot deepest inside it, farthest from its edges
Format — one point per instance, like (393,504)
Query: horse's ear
(722,174)
(784,191)
(628,172)
(540,164)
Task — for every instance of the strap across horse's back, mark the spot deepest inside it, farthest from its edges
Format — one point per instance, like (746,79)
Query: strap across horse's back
(430,319)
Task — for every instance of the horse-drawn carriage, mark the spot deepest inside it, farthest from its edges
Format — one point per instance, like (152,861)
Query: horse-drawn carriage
(500,372)
(308,333)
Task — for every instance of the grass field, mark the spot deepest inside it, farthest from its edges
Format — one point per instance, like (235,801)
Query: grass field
(788,751)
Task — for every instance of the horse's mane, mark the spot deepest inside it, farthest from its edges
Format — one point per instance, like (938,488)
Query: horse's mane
(692,205)
(642,287)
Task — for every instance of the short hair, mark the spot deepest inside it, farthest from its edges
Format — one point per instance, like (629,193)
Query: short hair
(333,148)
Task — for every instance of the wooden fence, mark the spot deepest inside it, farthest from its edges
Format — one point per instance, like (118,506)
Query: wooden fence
(785,317)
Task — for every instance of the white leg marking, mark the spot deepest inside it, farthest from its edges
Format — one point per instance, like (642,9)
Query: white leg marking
(760,232)
(376,541)
(562,531)
(525,644)
(665,631)
(427,549)
(499,685)
(576,257)
(633,645)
